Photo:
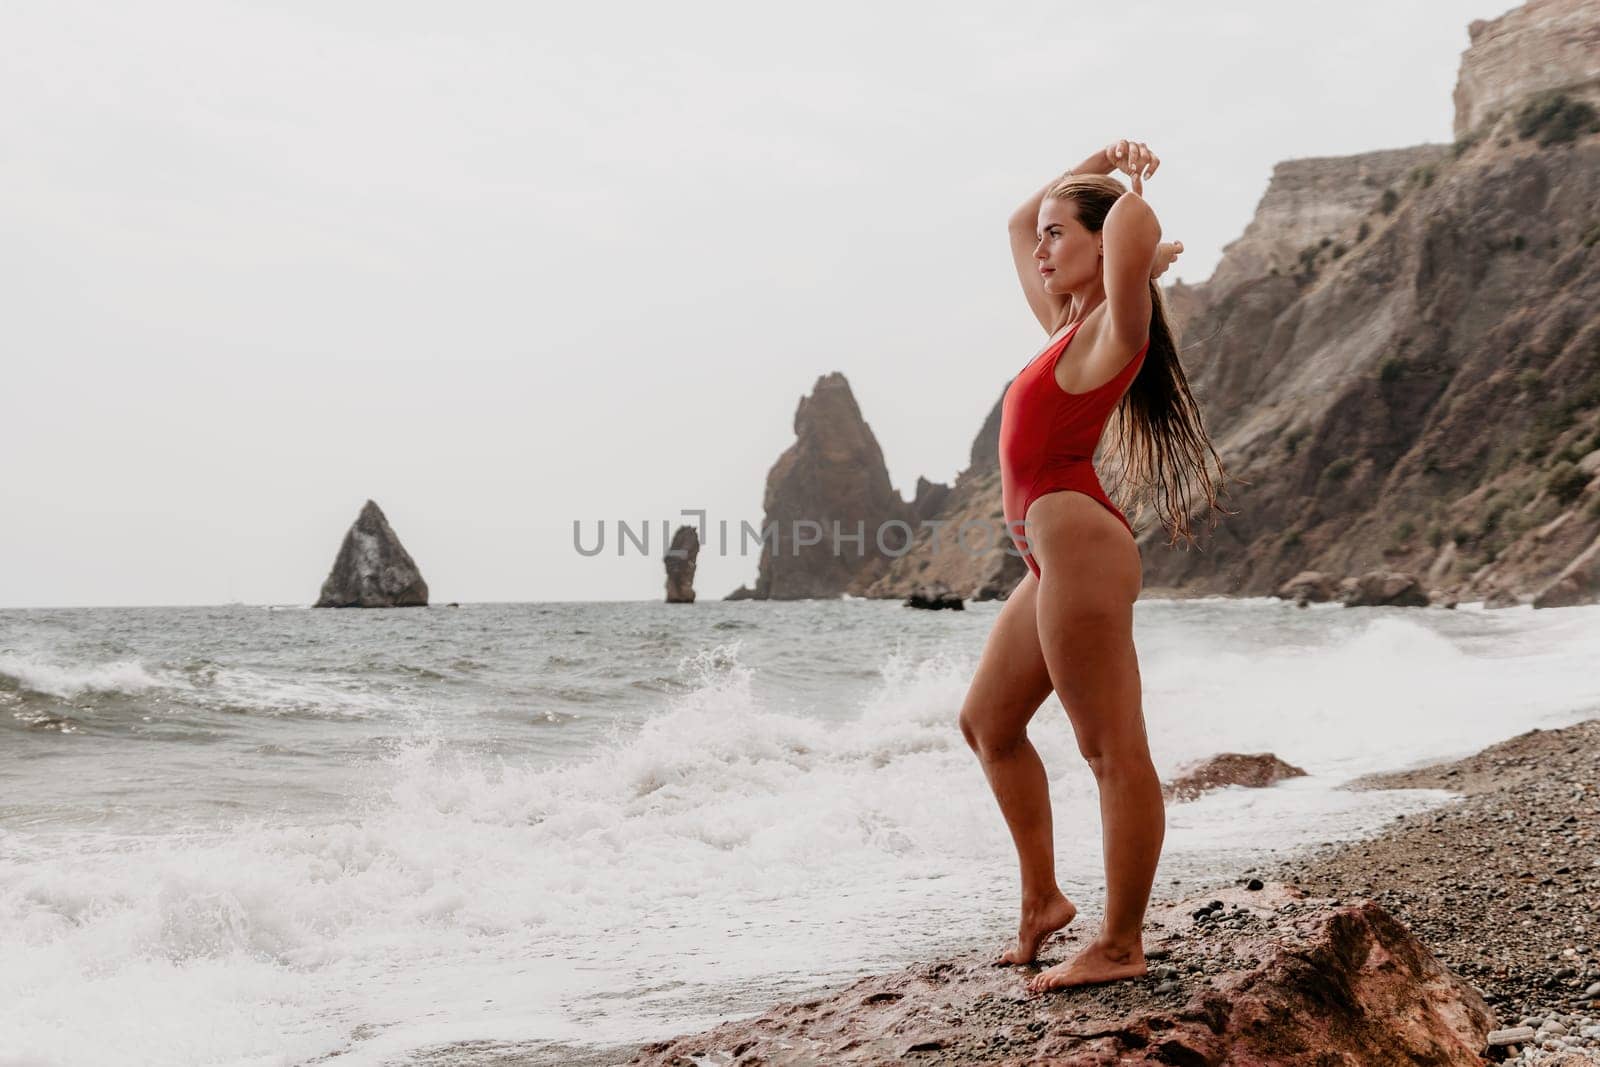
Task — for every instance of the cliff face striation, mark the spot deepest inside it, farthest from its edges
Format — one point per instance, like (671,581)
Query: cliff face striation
(373,569)
(1307,200)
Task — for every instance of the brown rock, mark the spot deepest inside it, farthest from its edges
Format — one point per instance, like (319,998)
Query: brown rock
(1501,598)
(1264,977)
(830,487)
(931,496)
(1541,45)
(373,569)
(1305,201)
(680,559)
(1578,582)
(1308,587)
(963,543)
(1385,589)
(1256,770)
(1440,568)
(935,596)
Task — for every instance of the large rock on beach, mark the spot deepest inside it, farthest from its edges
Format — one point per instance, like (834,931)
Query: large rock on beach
(1383,589)
(1309,587)
(373,569)
(1255,770)
(680,559)
(1242,976)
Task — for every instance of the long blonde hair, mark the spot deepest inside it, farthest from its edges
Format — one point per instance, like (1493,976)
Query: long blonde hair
(1163,456)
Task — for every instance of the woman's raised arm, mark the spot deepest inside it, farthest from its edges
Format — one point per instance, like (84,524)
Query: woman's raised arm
(1132,156)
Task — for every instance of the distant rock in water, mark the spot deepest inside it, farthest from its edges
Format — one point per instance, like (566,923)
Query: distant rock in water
(373,569)
(680,558)
(935,596)
(1256,770)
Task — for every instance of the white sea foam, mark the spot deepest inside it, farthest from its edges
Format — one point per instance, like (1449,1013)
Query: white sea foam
(40,676)
(232,687)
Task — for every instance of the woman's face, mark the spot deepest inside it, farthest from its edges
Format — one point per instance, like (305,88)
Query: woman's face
(1068,255)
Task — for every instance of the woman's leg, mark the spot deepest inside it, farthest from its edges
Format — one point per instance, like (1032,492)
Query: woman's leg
(1011,682)
(1091,578)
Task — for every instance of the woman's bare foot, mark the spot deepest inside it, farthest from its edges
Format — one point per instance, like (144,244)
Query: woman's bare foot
(1097,962)
(1038,923)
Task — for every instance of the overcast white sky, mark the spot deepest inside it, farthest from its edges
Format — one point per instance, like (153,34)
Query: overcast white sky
(500,266)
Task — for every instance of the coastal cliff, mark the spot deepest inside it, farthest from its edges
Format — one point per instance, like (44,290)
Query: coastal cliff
(1418,387)
(1397,360)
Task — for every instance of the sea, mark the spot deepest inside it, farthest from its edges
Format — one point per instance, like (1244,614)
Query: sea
(543,833)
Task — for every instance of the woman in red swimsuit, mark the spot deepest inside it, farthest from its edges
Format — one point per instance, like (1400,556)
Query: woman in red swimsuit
(1087,251)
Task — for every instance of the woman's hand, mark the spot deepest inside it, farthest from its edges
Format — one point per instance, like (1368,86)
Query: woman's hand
(1134,159)
(1166,252)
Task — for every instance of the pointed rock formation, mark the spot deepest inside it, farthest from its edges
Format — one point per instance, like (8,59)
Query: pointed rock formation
(830,488)
(373,569)
(680,558)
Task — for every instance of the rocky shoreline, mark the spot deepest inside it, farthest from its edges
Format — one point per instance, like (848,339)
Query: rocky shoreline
(1502,885)
(1450,929)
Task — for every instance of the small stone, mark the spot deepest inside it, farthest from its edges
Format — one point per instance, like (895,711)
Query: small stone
(1168,986)
(1254,884)
(1516,1035)
(1592,991)
(933,1045)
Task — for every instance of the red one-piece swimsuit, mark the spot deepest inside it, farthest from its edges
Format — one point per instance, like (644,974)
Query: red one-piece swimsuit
(1048,437)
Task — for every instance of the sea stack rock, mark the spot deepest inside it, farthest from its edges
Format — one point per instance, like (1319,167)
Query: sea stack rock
(680,558)
(373,569)
(828,496)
